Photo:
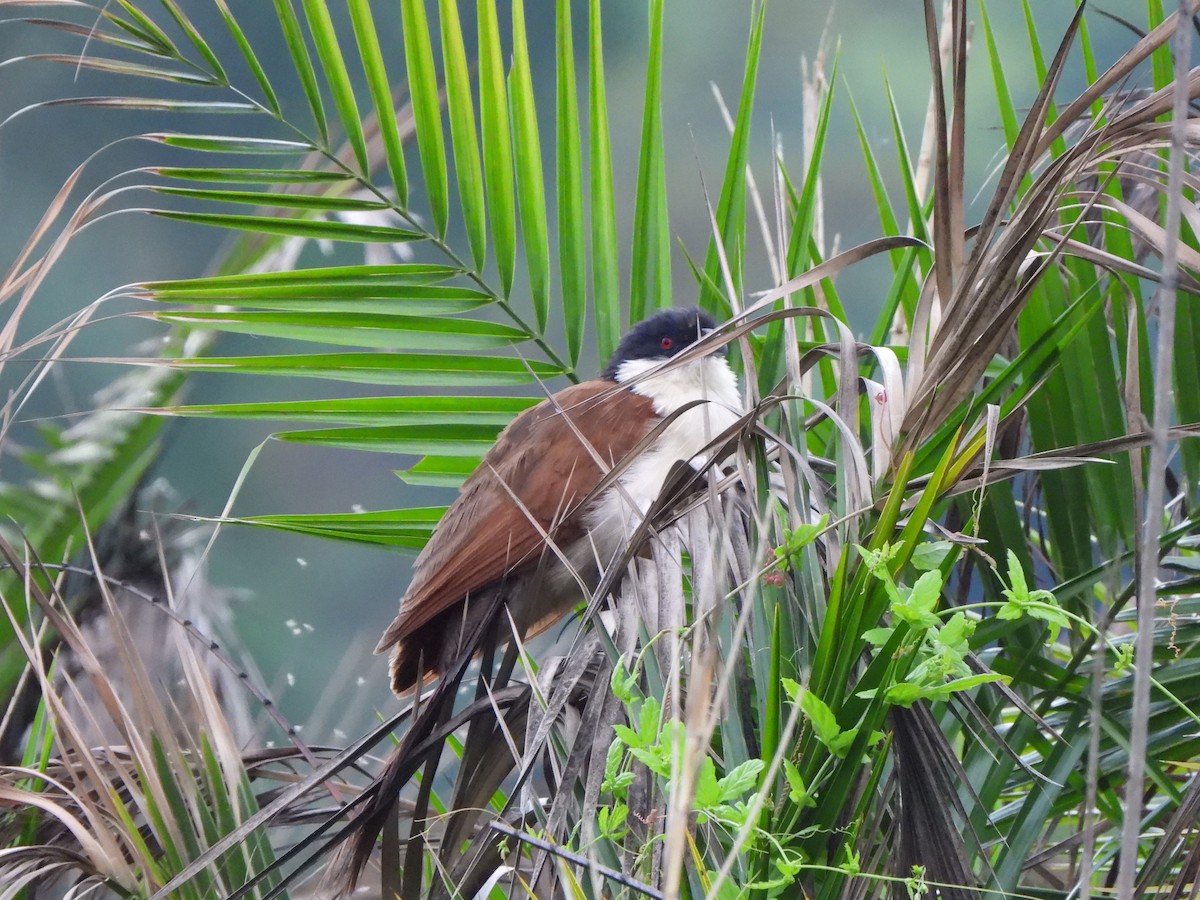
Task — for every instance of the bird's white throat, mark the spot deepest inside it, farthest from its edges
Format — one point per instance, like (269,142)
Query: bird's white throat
(709,380)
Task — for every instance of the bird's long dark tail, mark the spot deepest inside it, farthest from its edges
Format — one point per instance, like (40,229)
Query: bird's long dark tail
(420,742)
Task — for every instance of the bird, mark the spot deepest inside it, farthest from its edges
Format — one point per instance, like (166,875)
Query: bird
(530,530)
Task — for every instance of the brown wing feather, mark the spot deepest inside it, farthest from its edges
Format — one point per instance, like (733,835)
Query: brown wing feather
(485,535)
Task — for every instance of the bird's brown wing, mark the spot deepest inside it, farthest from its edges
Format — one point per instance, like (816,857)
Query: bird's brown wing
(542,461)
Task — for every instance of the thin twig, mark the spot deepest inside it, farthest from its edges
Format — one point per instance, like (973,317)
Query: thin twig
(576,859)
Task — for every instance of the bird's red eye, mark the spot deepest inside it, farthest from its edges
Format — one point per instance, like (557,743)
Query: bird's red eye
(667,343)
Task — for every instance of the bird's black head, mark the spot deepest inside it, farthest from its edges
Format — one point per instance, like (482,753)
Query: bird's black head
(660,337)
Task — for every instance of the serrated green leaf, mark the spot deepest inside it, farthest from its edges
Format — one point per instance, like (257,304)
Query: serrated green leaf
(926,592)
(708,792)
(955,633)
(842,743)
(648,717)
(970,681)
(930,555)
(797,790)
(612,761)
(877,637)
(741,778)
(905,694)
(1016,577)
(628,736)
(1010,611)
(792,688)
(824,722)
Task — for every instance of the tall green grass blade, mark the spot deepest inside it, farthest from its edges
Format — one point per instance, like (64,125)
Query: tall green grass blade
(531,188)
(1161,63)
(1008,112)
(918,220)
(172,785)
(650,276)
(806,210)
(572,253)
(731,206)
(888,224)
(1090,68)
(427,110)
(235,864)
(333,64)
(802,251)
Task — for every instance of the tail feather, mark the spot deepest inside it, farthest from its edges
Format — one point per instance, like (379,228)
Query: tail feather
(361,835)
(414,660)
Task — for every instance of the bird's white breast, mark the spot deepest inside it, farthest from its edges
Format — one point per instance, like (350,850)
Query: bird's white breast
(618,511)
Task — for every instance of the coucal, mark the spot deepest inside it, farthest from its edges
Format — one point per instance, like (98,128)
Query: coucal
(528,523)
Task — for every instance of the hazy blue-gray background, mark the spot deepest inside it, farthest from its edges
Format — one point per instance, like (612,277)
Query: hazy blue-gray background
(346,595)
